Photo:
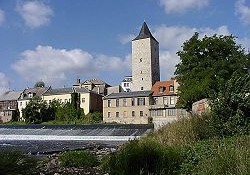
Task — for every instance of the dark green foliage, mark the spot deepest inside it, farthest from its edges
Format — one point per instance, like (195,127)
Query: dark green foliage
(144,158)
(95,117)
(15,115)
(206,65)
(231,110)
(39,84)
(36,111)
(14,162)
(78,159)
(222,156)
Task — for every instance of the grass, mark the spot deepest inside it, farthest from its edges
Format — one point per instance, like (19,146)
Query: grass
(15,162)
(78,159)
(187,146)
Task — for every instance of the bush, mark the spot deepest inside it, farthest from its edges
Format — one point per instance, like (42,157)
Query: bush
(222,156)
(184,131)
(14,162)
(146,157)
(78,159)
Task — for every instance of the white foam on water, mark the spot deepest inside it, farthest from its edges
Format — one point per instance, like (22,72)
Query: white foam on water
(64,138)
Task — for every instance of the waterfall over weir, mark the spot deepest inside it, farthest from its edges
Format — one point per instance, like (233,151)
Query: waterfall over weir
(45,138)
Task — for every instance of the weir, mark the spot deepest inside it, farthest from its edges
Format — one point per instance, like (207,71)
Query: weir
(100,132)
(46,139)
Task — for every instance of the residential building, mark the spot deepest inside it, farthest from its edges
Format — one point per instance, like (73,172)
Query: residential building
(127,107)
(164,110)
(145,60)
(27,95)
(89,100)
(126,83)
(157,106)
(8,105)
(95,85)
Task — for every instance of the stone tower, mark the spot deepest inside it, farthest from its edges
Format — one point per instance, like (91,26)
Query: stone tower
(145,60)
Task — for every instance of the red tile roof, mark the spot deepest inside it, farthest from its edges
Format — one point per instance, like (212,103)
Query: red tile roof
(165,84)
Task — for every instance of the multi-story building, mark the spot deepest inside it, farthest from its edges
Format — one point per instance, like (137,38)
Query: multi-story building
(126,83)
(164,109)
(95,85)
(27,95)
(89,100)
(8,105)
(157,106)
(145,60)
(127,107)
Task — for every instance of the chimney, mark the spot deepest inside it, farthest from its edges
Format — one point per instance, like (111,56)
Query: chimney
(78,80)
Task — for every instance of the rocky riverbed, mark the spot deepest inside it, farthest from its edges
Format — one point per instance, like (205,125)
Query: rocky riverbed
(50,164)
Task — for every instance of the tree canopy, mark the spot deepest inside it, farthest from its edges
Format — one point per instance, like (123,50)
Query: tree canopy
(206,65)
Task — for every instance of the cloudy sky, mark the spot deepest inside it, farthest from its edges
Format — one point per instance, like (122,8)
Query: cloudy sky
(57,41)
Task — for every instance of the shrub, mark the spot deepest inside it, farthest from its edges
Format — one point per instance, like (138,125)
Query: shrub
(222,156)
(144,157)
(14,162)
(184,131)
(78,159)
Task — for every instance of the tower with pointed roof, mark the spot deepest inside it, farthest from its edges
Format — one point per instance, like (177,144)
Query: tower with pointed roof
(145,60)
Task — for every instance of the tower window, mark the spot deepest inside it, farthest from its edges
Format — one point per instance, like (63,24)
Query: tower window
(140,60)
(141,72)
(142,88)
(141,78)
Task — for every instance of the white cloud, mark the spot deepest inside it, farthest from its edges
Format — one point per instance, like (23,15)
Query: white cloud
(171,39)
(175,6)
(34,13)
(54,66)
(3,83)
(2,16)
(124,39)
(243,11)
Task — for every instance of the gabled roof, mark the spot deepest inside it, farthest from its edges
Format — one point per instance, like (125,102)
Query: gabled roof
(95,81)
(38,91)
(166,84)
(10,95)
(128,94)
(145,33)
(65,91)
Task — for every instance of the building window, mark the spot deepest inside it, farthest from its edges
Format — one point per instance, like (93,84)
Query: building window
(141,101)
(140,60)
(141,72)
(159,113)
(117,103)
(124,113)
(133,113)
(109,114)
(132,101)
(65,100)
(83,100)
(124,102)
(156,100)
(117,114)
(142,88)
(20,103)
(109,103)
(171,88)
(141,78)
(152,113)
(171,112)
(141,113)
(165,100)
(49,101)
(171,100)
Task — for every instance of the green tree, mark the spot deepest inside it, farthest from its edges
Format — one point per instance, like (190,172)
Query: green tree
(206,65)
(36,111)
(232,107)
(39,84)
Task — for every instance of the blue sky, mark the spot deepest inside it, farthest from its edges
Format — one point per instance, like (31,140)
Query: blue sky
(57,41)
